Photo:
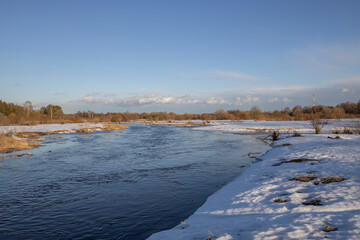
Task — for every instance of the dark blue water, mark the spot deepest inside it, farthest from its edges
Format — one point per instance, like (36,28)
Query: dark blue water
(117,185)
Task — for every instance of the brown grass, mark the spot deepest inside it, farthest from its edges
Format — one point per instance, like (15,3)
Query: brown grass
(296,134)
(114,126)
(279,200)
(10,143)
(329,228)
(33,135)
(306,178)
(299,160)
(316,202)
(87,130)
(329,180)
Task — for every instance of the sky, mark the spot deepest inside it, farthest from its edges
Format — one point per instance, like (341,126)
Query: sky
(179,56)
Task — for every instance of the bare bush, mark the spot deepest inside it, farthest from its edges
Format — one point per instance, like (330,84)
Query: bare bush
(356,127)
(275,135)
(316,123)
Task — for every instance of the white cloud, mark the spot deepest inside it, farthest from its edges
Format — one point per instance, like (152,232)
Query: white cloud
(345,90)
(286,100)
(275,97)
(272,100)
(249,99)
(217,100)
(155,99)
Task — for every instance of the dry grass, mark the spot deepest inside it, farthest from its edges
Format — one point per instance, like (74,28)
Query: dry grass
(329,180)
(296,134)
(279,200)
(10,143)
(192,124)
(329,228)
(306,178)
(114,126)
(316,202)
(299,160)
(33,135)
(87,130)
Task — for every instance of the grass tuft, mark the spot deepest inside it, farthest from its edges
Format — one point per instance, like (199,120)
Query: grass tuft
(11,143)
(306,178)
(329,180)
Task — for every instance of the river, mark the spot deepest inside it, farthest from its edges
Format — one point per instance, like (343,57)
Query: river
(117,185)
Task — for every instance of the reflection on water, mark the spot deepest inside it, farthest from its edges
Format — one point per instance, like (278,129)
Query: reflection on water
(118,185)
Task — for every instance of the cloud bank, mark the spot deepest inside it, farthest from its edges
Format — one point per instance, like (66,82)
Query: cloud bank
(267,98)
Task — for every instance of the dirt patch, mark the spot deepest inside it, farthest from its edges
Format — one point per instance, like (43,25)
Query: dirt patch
(299,160)
(279,200)
(306,178)
(316,202)
(329,180)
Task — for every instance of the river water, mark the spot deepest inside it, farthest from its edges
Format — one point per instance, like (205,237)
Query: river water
(117,185)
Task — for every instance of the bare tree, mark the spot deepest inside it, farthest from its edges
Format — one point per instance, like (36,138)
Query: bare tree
(28,106)
(256,112)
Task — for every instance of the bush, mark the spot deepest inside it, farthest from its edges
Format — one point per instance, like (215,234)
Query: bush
(275,136)
(316,123)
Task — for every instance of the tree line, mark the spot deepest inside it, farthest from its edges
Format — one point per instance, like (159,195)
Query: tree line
(11,113)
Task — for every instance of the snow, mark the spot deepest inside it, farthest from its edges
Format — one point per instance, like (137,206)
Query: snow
(48,128)
(281,126)
(245,208)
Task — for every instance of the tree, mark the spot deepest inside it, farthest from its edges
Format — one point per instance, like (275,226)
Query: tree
(255,112)
(28,107)
(220,114)
(7,108)
(339,112)
(55,111)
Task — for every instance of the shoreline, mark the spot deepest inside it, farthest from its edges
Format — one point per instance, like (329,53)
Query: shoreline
(303,188)
(22,137)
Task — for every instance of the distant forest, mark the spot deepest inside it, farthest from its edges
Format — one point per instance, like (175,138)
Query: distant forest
(13,114)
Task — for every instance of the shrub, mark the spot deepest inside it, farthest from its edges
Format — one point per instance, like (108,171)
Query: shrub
(275,136)
(356,127)
(316,123)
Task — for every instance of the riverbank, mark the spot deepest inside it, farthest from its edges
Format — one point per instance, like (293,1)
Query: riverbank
(303,188)
(17,138)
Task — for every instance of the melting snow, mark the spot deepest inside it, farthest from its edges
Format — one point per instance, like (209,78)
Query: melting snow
(245,208)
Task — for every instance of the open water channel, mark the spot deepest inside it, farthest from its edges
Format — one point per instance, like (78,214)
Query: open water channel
(117,185)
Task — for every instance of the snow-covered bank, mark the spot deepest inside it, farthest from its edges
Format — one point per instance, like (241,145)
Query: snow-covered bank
(268,201)
(281,126)
(48,128)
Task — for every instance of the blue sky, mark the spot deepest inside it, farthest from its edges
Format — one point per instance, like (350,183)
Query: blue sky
(181,56)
